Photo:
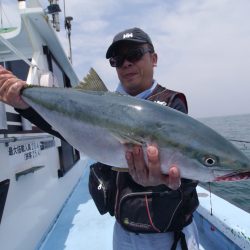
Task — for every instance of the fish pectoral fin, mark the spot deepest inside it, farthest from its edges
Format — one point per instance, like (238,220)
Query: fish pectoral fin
(125,139)
(92,81)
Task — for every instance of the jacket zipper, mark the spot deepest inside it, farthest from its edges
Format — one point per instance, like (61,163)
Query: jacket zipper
(101,187)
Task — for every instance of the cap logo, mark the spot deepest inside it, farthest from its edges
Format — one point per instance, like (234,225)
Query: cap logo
(127,35)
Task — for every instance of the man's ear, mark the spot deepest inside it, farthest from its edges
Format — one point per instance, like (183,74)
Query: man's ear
(154,59)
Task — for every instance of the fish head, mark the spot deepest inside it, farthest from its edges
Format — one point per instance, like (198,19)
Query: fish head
(228,168)
(219,165)
(201,152)
(206,166)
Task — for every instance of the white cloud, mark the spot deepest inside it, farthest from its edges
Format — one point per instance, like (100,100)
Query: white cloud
(204,51)
(93,26)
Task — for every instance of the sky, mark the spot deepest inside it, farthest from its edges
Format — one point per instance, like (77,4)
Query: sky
(203,46)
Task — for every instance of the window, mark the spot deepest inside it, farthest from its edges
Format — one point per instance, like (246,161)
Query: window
(4,187)
(19,68)
(67,154)
(68,157)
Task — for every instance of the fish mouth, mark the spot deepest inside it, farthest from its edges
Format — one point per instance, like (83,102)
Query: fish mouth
(236,176)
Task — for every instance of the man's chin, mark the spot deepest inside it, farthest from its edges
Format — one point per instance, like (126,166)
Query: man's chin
(133,89)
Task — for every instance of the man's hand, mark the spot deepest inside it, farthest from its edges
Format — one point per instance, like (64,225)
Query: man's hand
(150,174)
(10,87)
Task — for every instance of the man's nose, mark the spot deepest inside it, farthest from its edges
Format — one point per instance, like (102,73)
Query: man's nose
(126,63)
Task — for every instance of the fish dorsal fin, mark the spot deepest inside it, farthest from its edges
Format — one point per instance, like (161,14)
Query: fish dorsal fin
(92,81)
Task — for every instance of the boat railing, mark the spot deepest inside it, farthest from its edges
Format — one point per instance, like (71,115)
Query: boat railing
(24,138)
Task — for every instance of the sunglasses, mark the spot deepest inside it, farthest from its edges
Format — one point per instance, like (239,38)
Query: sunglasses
(132,56)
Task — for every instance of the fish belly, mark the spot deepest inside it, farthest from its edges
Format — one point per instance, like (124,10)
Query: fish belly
(95,142)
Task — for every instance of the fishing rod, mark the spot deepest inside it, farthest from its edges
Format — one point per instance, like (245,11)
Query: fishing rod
(54,10)
(238,140)
(67,26)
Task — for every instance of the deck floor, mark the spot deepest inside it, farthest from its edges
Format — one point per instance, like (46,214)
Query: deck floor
(81,227)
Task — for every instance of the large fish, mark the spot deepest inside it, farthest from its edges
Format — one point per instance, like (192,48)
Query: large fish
(101,123)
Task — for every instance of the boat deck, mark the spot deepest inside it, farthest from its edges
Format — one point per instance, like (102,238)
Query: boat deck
(80,226)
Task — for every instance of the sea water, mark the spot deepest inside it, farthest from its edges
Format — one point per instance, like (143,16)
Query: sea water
(237,130)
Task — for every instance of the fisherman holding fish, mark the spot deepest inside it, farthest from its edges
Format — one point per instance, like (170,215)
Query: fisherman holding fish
(132,54)
(152,210)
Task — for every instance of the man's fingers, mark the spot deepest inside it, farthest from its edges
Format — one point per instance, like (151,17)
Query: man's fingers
(139,163)
(154,164)
(17,87)
(174,180)
(130,162)
(150,174)
(10,89)
(6,85)
(153,154)
(4,71)
(136,164)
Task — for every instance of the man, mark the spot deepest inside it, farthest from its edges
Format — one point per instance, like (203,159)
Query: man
(132,54)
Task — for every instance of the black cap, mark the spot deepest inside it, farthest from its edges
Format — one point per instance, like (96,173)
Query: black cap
(133,35)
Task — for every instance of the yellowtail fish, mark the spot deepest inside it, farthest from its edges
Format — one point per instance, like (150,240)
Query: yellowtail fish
(101,123)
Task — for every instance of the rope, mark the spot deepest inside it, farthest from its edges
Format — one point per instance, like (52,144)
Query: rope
(239,140)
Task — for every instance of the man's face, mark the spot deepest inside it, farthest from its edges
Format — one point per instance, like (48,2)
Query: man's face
(136,76)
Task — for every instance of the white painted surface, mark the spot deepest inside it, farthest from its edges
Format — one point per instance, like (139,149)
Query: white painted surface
(232,221)
(35,199)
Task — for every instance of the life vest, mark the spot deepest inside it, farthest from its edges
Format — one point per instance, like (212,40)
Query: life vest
(144,209)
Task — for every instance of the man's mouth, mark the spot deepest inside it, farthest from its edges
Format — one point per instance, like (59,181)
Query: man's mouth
(129,75)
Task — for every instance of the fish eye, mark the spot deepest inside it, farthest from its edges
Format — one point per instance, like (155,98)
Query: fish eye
(209,161)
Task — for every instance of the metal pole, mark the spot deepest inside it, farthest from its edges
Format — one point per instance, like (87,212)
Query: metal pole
(22,4)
